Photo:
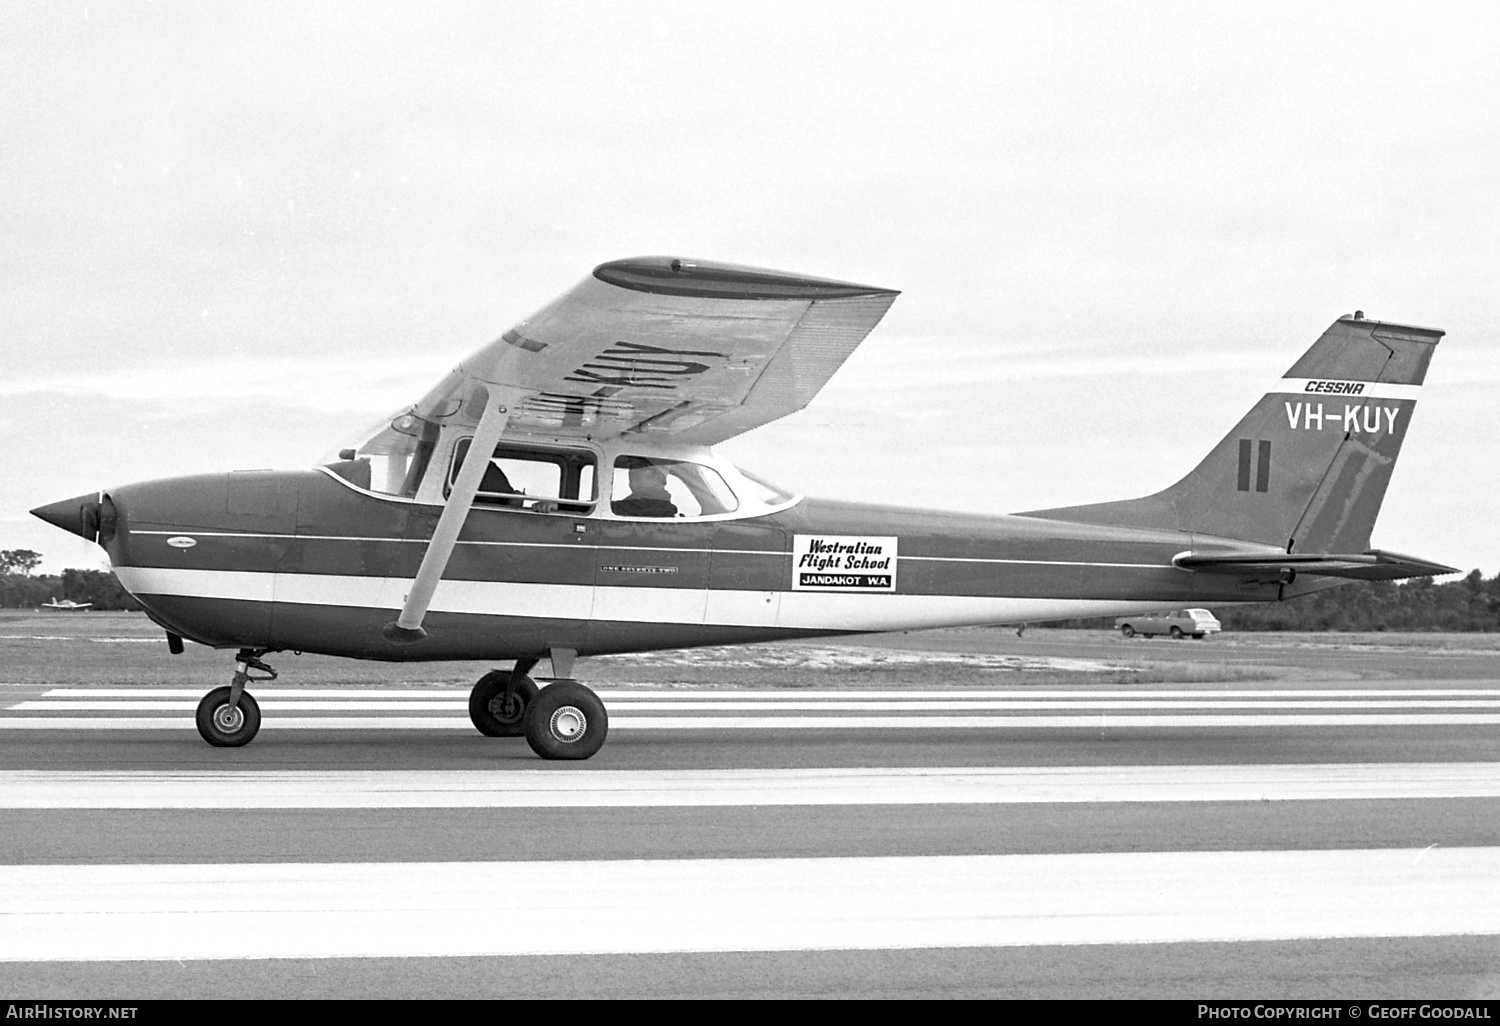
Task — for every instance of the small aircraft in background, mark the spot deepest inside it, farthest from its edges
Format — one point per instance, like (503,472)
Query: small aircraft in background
(65,605)
(597,518)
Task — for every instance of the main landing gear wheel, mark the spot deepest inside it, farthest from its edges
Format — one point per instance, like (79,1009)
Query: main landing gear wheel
(228,726)
(566,721)
(496,714)
(1127,630)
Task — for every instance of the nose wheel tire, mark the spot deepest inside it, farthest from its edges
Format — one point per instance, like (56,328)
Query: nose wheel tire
(492,712)
(566,721)
(226,726)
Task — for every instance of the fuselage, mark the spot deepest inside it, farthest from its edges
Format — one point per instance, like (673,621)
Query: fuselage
(309,561)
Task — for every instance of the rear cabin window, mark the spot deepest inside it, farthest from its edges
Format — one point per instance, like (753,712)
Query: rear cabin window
(645,486)
(539,480)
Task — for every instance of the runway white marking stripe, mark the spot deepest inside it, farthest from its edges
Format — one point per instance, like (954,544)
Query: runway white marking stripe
(416,705)
(617,721)
(390,789)
(300,910)
(1098,721)
(461,694)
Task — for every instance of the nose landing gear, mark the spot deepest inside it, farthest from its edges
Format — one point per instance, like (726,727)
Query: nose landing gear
(230,717)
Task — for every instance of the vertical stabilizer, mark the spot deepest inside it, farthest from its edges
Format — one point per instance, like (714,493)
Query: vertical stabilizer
(1306,469)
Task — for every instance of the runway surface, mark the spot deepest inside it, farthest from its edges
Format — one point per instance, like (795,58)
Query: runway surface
(1322,838)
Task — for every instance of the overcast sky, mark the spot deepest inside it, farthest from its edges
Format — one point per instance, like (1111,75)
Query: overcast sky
(236,234)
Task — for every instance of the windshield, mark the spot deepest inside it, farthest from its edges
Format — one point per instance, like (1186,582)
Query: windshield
(392,458)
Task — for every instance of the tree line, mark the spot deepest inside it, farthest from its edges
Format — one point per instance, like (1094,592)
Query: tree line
(1471,603)
(21,589)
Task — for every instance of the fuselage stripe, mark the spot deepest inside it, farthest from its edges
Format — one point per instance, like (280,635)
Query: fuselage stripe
(671,550)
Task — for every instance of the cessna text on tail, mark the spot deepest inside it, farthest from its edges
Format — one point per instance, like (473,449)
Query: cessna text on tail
(597,518)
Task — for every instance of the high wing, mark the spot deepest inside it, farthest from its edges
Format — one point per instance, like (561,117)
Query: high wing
(684,349)
(1375,565)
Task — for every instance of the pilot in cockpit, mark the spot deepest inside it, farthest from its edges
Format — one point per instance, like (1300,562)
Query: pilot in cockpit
(496,484)
(648,494)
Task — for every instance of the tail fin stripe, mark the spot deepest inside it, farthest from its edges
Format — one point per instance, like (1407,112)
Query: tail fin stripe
(1320,387)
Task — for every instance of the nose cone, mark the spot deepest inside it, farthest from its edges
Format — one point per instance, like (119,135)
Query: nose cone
(79,515)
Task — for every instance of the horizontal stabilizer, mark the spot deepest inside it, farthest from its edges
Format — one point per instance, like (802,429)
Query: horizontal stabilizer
(1374,565)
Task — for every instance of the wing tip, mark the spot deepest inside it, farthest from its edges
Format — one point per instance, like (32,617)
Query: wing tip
(680,276)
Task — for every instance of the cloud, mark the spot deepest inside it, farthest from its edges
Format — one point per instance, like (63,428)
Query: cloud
(332,384)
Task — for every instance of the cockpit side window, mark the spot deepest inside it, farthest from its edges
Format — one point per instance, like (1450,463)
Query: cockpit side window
(648,486)
(539,480)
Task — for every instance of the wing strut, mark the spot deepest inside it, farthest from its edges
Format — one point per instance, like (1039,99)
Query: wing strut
(407,628)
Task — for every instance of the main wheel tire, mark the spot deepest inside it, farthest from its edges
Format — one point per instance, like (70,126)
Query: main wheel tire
(566,721)
(1127,630)
(226,727)
(1176,633)
(495,715)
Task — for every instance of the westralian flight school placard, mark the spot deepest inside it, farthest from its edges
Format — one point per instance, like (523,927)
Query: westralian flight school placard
(841,562)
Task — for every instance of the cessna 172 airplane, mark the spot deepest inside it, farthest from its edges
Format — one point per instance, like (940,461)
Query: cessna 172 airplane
(599,519)
(65,605)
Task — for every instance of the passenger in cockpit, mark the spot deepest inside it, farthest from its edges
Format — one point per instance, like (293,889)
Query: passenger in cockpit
(648,494)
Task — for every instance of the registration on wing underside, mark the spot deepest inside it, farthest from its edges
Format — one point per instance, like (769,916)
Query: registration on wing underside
(640,385)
